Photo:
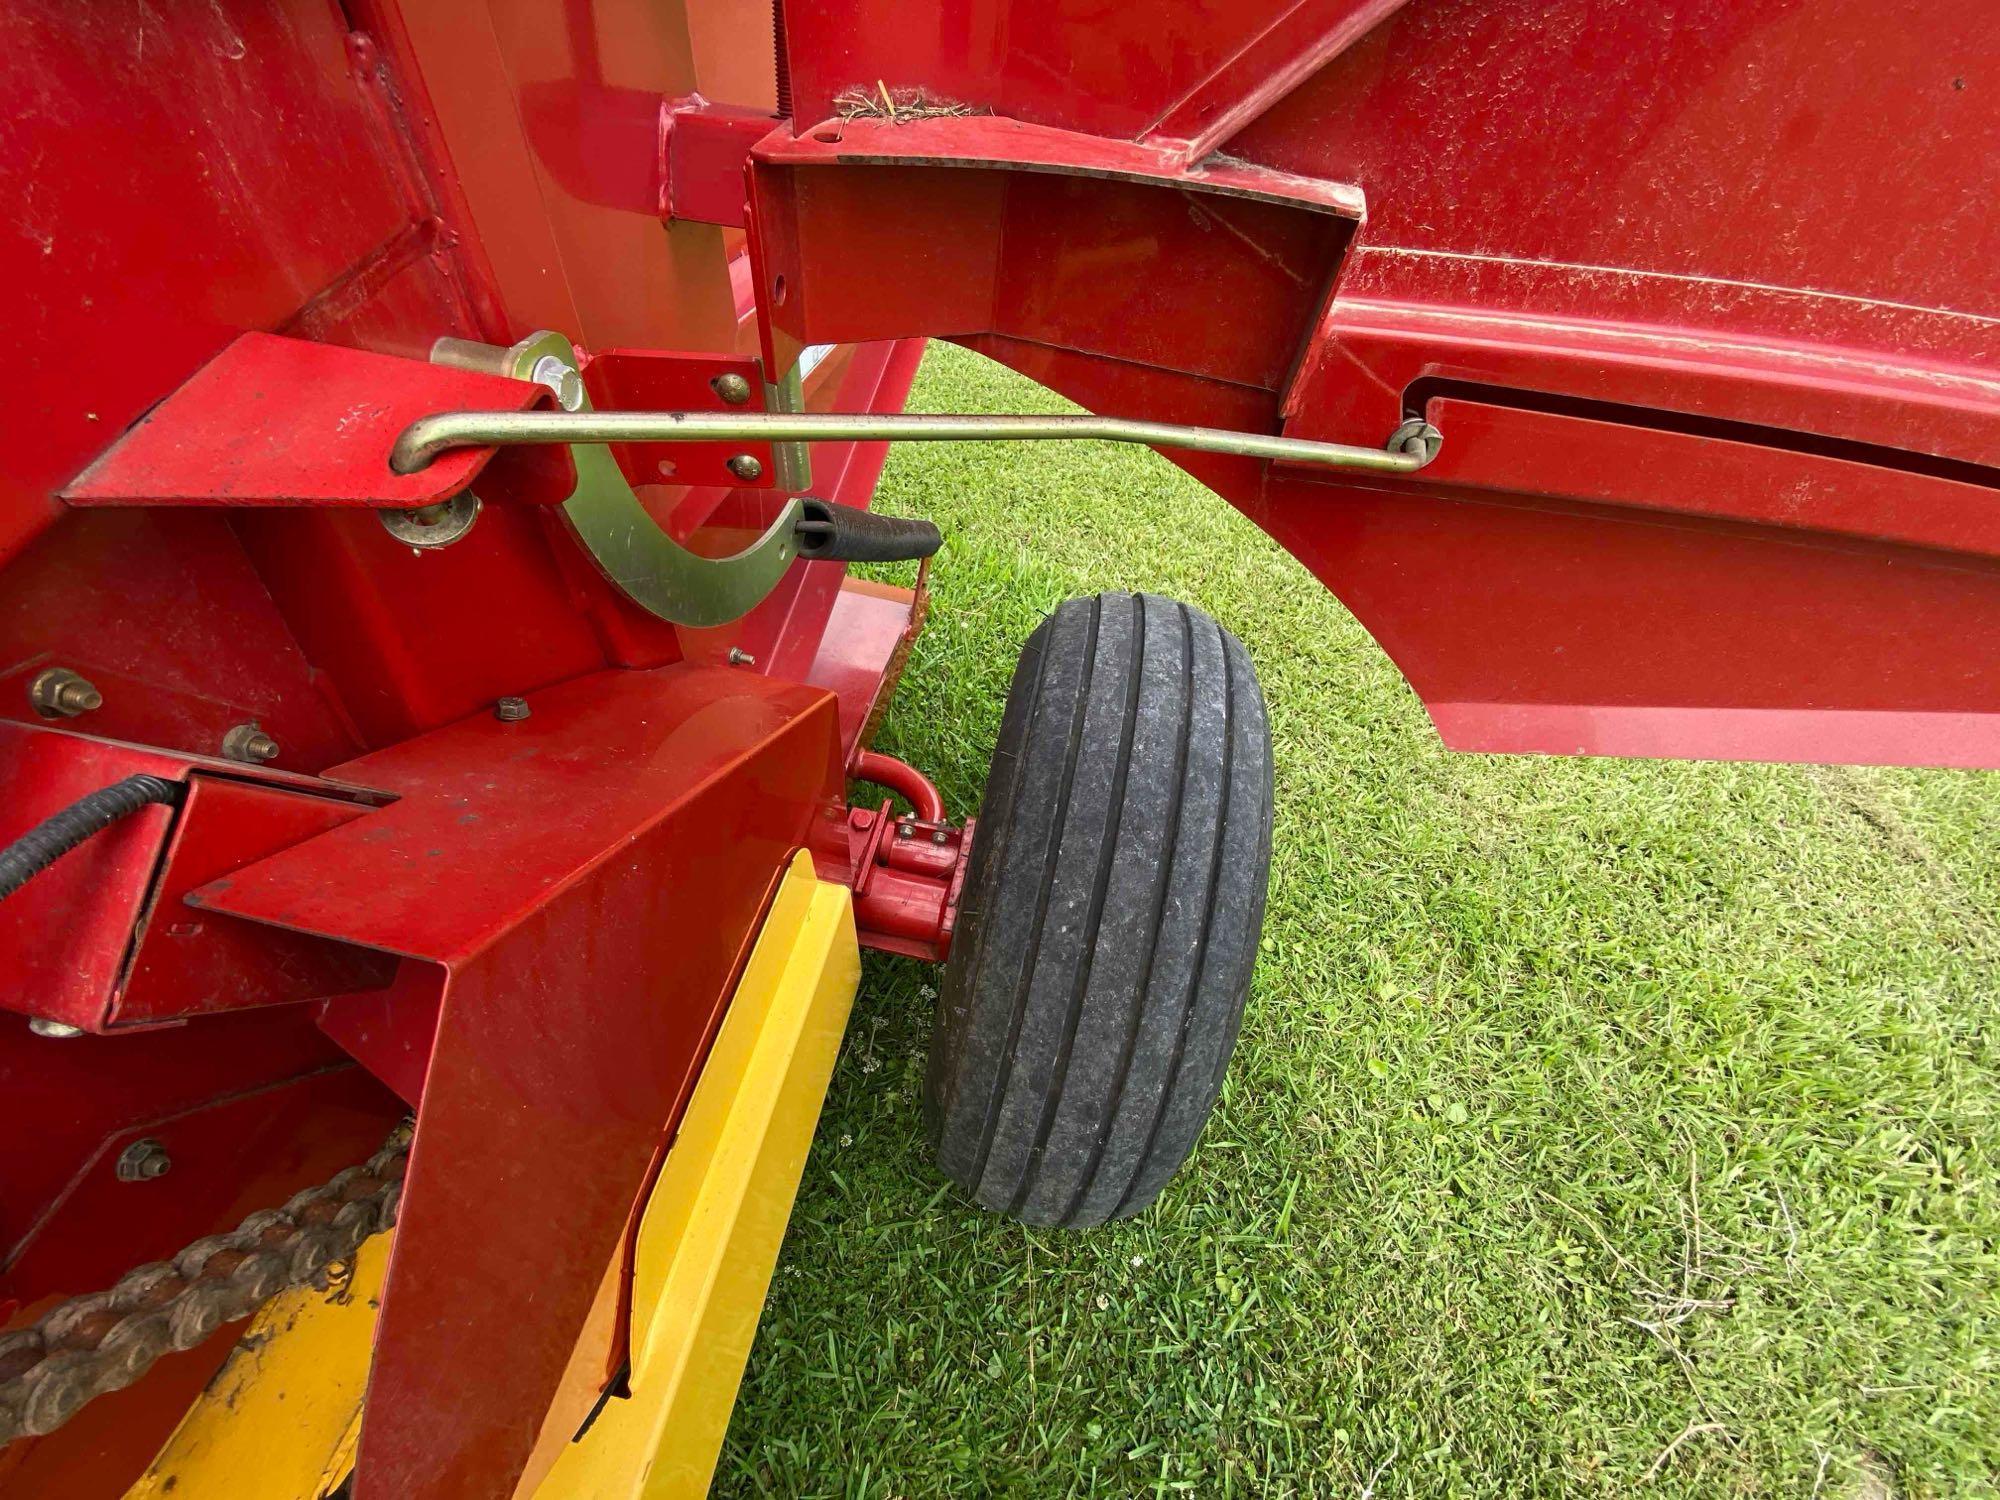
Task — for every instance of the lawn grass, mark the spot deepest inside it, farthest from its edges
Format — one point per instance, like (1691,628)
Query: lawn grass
(1581,1106)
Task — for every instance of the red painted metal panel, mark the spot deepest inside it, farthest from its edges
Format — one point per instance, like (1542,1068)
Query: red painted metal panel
(1277,60)
(1661,217)
(81,1091)
(1116,73)
(550,117)
(1790,360)
(663,380)
(276,421)
(987,142)
(586,878)
(100,939)
(391,1032)
(413,639)
(707,149)
(187,962)
(870,632)
(64,935)
(1703,473)
(1831,146)
(1736,641)
(1815,736)
(212,175)
(875,251)
(165,614)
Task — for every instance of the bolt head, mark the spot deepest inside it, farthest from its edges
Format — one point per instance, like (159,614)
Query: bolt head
(43,1026)
(746,467)
(939,836)
(562,378)
(511,710)
(732,388)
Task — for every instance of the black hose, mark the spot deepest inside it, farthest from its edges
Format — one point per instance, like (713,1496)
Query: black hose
(52,838)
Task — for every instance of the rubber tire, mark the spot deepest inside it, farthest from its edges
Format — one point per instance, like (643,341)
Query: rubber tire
(1109,921)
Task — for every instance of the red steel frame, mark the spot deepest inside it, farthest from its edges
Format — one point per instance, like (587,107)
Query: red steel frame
(1702,296)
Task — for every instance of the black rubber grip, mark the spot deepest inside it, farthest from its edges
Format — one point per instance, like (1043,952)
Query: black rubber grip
(831,532)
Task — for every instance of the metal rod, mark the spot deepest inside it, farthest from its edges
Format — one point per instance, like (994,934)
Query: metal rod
(900,776)
(427,437)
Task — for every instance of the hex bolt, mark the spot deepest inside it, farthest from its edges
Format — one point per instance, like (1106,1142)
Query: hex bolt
(43,1026)
(732,388)
(939,836)
(62,694)
(246,742)
(511,710)
(144,1160)
(562,378)
(738,657)
(905,830)
(746,467)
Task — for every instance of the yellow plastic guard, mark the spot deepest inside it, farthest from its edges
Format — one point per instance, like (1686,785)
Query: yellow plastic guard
(281,1417)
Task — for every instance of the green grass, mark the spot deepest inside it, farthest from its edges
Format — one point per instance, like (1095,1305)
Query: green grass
(1538,1051)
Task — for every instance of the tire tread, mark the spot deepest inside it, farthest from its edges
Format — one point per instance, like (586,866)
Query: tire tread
(1087,1011)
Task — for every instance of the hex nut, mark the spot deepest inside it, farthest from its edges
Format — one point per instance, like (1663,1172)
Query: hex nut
(144,1160)
(59,1030)
(436,525)
(1416,436)
(60,693)
(248,743)
(511,710)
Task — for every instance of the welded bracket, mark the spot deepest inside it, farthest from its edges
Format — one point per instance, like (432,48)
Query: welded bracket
(629,547)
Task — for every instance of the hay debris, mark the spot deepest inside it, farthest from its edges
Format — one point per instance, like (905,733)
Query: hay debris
(897,106)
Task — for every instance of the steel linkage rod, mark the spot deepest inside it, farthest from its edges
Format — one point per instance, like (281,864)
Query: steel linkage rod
(427,437)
